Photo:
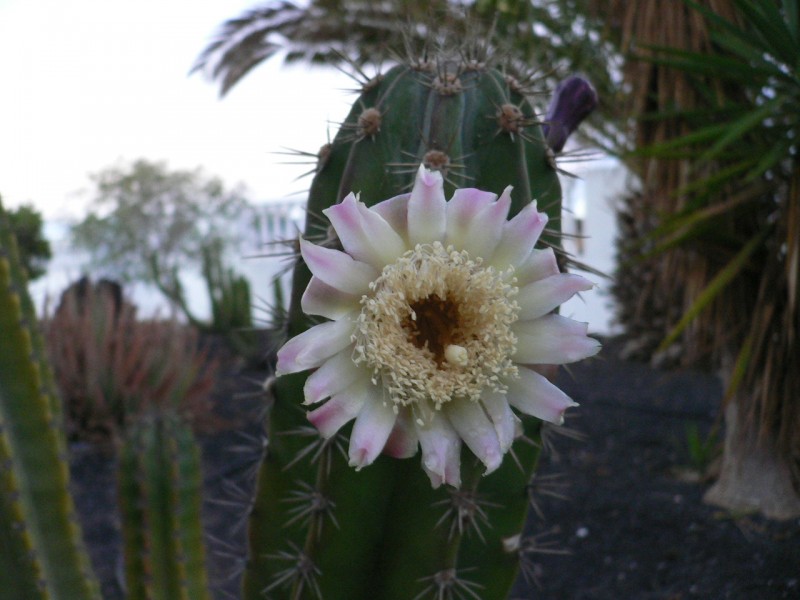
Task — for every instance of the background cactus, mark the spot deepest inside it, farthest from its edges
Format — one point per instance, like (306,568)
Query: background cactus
(231,306)
(319,528)
(159,489)
(42,549)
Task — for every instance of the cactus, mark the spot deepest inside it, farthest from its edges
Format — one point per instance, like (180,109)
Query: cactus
(230,299)
(42,548)
(159,488)
(229,294)
(466,119)
(320,528)
(42,553)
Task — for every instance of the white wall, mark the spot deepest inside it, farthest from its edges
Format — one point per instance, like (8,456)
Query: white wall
(591,197)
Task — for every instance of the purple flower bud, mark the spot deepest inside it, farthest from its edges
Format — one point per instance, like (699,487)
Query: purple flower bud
(573,101)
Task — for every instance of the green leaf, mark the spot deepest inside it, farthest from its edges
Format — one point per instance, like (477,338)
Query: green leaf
(735,131)
(724,67)
(792,10)
(767,20)
(689,222)
(716,287)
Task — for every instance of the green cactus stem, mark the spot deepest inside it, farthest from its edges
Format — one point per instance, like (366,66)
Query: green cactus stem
(321,529)
(160,482)
(40,539)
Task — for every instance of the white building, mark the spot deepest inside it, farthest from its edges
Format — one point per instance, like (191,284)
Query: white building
(590,225)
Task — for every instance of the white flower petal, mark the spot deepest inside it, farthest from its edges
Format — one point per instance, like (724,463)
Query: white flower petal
(314,346)
(395,212)
(520,235)
(480,234)
(427,219)
(462,211)
(334,375)
(371,430)
(477,431)
(340,409)
(487,230)
(553,340)
(327,301)
(532,394)
(365,235)
(537,265)
(404,440)
(338,269)
(441,451)
(505,423)
(540,297)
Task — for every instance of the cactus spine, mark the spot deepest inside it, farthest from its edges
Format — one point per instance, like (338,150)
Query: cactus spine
(319,527)
(42,548)
(160,481)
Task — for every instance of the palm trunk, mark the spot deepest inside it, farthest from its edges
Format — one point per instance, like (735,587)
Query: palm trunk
(755,476)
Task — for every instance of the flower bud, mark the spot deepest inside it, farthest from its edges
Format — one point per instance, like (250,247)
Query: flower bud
(573,101)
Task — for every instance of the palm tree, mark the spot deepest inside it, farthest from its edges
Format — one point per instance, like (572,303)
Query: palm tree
(723,167)
(538,37)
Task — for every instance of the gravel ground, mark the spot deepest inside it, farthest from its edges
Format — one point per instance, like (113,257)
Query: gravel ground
(628,523)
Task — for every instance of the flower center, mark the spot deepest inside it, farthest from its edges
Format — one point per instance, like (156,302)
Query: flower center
(436,326)
(433,323)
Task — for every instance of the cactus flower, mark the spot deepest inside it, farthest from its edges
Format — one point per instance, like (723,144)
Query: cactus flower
(438,314)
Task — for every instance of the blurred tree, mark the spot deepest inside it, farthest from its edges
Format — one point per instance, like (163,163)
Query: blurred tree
(34,249)
(147,223)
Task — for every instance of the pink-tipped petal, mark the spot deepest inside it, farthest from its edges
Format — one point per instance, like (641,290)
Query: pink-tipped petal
(553,340)
(500,414)
(365,235)
(404,440)
(486,229)
(477,431)
(532,394)
(340,409)
(395,212)
(334,375)
(427,220)
(371,431)
(540,297)
(462,210)
(520,235)
(313,347)
(441,451)
(327,301)
(537,265)
(338,269)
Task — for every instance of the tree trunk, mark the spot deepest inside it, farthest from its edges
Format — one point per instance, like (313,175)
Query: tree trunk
(754,475)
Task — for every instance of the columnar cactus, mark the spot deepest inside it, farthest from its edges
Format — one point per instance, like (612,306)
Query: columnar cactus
(159,489)
(323,529)
(42,550)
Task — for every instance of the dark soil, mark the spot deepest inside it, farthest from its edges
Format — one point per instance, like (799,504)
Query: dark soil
(630,524)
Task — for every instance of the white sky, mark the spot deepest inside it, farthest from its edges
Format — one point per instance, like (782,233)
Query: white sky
(87,83)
